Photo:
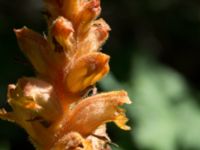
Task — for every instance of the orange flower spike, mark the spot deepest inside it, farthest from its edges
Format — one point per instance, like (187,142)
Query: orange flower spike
(54,108)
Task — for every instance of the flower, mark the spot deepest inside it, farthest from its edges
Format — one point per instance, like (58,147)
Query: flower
(54,107)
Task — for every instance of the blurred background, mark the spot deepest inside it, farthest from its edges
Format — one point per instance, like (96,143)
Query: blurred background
(155,56)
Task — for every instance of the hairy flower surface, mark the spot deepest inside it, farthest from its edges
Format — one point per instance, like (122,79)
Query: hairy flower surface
(54,107)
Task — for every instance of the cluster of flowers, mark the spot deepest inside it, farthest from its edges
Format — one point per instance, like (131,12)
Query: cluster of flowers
(54,107)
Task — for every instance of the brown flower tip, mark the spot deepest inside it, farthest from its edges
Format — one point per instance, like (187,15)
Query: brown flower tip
(54,107)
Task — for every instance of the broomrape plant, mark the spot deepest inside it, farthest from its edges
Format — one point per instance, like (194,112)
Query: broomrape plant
(54,107)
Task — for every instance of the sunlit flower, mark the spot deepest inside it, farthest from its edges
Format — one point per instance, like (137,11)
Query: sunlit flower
(54,107)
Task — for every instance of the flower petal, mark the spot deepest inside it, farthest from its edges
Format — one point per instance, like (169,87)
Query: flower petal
(7,115)
(35,97)
(89,12)
(44,58)
(97,110)
(70,9)
(86,71)
(95,38)
(35,47)
(62,31)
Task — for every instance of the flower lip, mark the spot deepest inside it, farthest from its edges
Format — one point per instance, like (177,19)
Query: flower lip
(87,70)
(96,110)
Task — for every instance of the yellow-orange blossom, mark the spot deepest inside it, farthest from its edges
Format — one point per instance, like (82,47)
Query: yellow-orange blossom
(53,107)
